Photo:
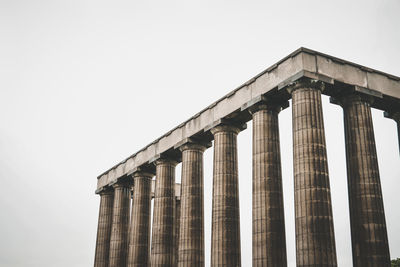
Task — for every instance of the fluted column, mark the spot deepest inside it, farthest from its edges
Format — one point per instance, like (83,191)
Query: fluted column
(120,224)
(139,240)
(177,223)
(225,239)
(191,237)
(367,215)
(104,228)
(315,239)
(162,244)
(269,245)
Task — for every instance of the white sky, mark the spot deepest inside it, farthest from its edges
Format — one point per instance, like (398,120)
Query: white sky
(84,84)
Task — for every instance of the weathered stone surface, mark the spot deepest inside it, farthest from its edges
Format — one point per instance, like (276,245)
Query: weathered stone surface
(225,239)
(367,216)
(269,245)
(315,239)
(120,225)
(301,63)
(104,228)
(177,223)
(191,237)
(314,225)
(162,243)
(139,236)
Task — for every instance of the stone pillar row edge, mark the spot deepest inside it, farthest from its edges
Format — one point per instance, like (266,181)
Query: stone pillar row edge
(367,216)
(225,229)
(311,249)
(191,228)
(269,242)
(315,238)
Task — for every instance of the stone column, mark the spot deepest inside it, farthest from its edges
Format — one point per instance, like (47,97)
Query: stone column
(162,244)
(191,237)
(139,240)
(269,245)
(315,239)
(177,223)
(395,115)
(225,237)
(104,228)
(367,215)
(120,224)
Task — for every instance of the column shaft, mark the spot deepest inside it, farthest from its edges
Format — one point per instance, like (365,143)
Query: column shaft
(367,216)
(104,229)
(225,240)
(269,245)
(162,244)
(315,239)
(177,223)
(191,238)
(120,225)
(139,241)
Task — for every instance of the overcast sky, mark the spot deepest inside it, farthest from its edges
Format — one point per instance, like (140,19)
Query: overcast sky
(84,84)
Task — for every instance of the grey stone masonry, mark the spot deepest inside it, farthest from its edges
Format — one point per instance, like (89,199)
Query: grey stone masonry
(300,64)
(104,228)
(120,224)
(315,239)
(139,239)
(269,245)
(367,216)
(225,237)
(177,237)
(191,237)
(162,243)
(177,223)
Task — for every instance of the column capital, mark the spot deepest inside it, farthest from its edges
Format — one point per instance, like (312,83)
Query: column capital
(225,128)
(226,125)
(165,161)
(345,99)
(263,102)
(192,144)
(145,168)
(105,190)
(268,106)
(142,174)
(306,83)
(121,183)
